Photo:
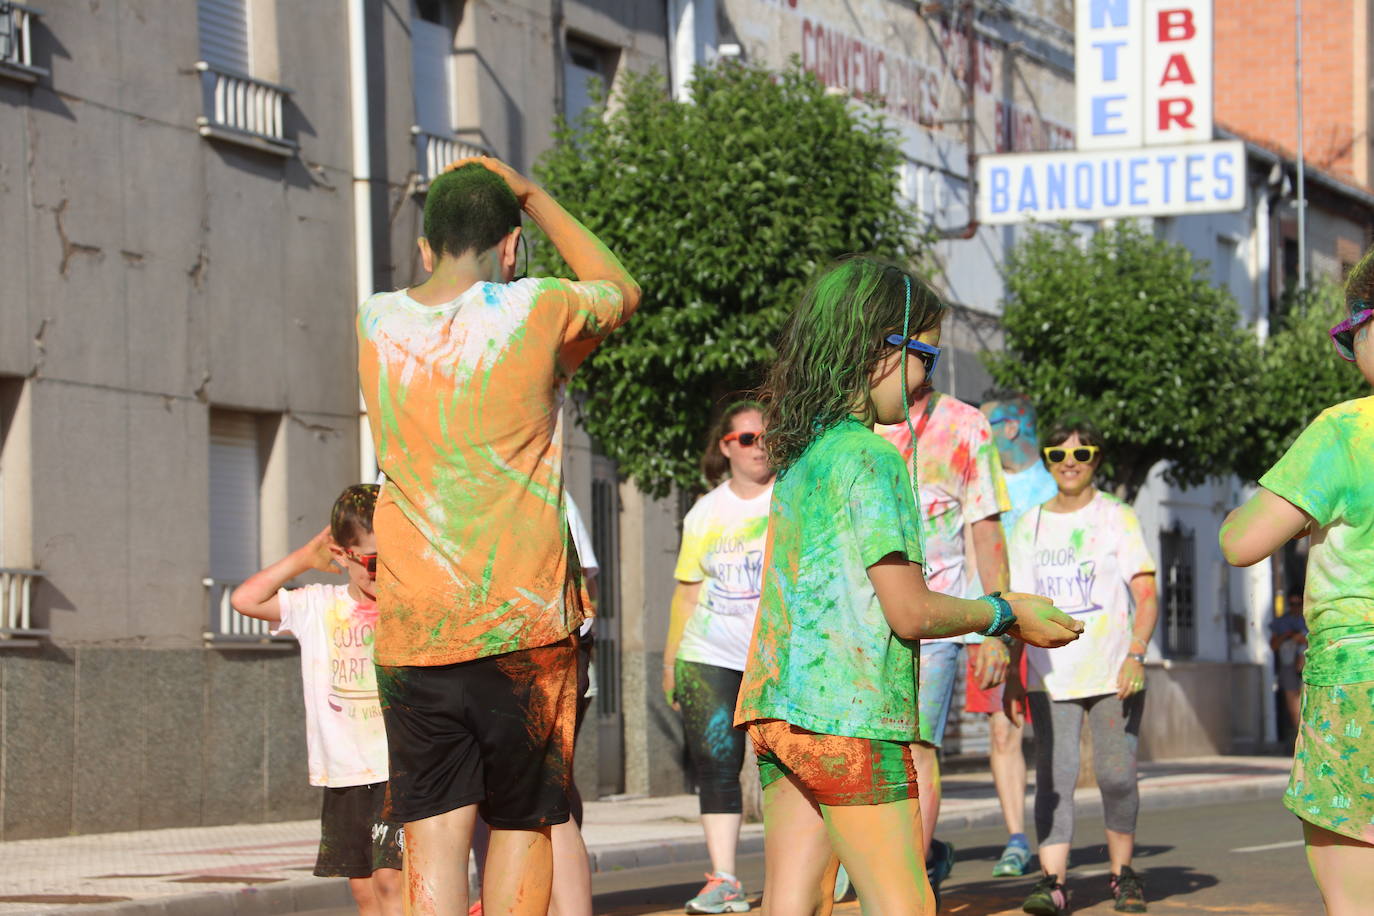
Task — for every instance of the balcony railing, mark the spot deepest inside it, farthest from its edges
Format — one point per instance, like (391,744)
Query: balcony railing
(433,152)
(243,110)
(16,42)
(16,607)
(230,628)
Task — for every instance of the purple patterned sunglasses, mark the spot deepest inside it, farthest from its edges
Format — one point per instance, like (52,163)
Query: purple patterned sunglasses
(1343,334)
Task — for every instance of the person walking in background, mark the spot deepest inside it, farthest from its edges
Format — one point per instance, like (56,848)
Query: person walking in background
(714,606)
(572,877)
(1288,639)
(1319,489)
(1084,550)
(478,593)
(959,480)
(829,689)
(344,737)
(1029,483)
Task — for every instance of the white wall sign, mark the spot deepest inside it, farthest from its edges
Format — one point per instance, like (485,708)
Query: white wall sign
(1143,79)
(1097,184)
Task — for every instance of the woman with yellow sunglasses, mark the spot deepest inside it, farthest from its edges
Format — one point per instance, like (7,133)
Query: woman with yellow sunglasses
(1084,550)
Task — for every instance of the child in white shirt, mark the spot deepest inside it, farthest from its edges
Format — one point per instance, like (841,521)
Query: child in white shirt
(336,626)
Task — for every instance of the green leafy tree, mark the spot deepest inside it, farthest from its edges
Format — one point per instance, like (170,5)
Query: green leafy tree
(1128,331)
(1300,376)
(721,209)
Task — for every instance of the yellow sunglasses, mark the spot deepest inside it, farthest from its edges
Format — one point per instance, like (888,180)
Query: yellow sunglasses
(1082,454)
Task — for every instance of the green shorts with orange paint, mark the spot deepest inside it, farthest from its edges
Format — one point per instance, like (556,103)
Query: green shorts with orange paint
(832,769)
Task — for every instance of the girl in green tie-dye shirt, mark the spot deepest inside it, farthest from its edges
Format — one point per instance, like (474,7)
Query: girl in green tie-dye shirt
(829,690)
(1322,488)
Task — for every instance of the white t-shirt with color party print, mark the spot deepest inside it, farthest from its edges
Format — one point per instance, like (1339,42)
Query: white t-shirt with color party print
(1083,561)
(344,736)
(723,538)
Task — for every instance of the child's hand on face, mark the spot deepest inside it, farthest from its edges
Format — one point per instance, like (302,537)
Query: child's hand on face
(1040,623)
(317,552)
(520,186)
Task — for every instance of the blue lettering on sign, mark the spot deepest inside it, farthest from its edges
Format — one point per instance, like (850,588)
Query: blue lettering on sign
(1027,201)
(1001,177)
(1111,169)
(1166,171)
(1083,186)
(1109,49)
(1222,167)
(1136,170)
(1192,178)
(1056,186)
(1101,115)
(1118,11)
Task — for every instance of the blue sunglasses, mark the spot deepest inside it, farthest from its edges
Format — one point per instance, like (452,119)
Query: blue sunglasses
(929,354)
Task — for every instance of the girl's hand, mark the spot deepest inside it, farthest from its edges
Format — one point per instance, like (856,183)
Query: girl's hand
(990,663)
(1130,680)
(669,685)
(1040,623)
(316,552)
(520,186)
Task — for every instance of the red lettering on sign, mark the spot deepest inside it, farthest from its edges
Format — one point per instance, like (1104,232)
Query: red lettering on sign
(1177,71)
(1176,25)
(1176,110)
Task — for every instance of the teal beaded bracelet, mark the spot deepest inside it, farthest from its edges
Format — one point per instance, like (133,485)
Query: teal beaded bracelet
(1003,619)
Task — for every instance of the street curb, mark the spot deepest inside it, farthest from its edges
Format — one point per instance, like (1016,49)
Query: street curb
(322,893)
(282,897)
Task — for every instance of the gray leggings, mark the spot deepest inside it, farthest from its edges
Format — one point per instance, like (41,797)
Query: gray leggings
(1115,726)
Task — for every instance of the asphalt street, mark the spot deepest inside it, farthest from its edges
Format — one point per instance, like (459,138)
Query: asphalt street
(1242,858)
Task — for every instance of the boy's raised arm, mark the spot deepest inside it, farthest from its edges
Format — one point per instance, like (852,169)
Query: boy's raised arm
(584,252)
(257,597)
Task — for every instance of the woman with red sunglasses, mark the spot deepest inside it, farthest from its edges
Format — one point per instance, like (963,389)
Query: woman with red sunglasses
(1321,487)
(718,572)
(1084,550)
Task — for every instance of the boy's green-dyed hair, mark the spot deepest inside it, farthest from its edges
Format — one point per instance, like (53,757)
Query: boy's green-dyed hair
(352,515)
(831,344)
(469,209)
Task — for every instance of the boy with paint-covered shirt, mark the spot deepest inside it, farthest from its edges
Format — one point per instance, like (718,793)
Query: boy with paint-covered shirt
(478,590)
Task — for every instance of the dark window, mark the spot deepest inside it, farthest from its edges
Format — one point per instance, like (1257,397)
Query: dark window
(1177,555)
(430,10)
(606,543)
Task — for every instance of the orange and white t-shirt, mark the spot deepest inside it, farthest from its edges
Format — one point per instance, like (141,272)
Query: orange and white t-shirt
(464,404)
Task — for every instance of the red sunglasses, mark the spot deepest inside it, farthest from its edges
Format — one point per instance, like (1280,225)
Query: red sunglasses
(744,439)
(367,561)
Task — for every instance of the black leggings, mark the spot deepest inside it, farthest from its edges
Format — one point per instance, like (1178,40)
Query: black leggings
(707,695)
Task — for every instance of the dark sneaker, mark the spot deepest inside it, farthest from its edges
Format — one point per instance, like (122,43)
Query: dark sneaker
(1047,898)
(939,865)
(1129,891)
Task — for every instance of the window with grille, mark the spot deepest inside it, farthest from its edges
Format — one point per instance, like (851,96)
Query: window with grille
(1177,554)
(606,543)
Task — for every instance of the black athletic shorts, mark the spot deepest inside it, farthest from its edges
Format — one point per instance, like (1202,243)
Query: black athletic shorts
(496,732)
(355,837)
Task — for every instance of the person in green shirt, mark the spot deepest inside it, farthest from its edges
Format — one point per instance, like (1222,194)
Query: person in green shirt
(1318,489)
(829,688)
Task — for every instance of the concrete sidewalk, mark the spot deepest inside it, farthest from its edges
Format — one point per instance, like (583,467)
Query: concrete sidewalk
(265,868)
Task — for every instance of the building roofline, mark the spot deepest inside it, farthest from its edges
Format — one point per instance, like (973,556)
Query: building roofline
(1315,175)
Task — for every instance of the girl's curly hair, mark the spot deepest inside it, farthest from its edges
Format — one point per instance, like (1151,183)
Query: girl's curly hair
(830,346)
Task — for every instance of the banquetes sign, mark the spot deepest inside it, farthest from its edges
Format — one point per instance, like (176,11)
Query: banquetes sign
(1143,78)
